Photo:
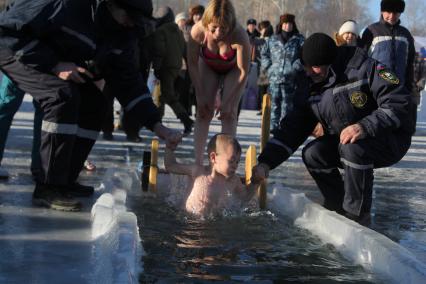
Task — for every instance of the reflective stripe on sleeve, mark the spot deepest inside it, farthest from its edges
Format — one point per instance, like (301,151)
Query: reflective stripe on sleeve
(350,86)
(132,104)
(80,36)
(391,115)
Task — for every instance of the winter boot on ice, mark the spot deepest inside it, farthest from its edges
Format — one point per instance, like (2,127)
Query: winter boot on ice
(54,197)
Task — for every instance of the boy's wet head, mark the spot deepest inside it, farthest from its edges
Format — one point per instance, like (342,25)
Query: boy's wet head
(224,153)
(219,141)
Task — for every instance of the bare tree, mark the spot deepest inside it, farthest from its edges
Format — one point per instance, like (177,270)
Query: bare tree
(415,19)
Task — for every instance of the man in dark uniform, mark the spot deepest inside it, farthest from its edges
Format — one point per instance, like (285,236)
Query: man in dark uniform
(45,47)
(367,118)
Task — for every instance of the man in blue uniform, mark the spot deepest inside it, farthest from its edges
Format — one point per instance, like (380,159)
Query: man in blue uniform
(46,47)
(367,118)
(390,43)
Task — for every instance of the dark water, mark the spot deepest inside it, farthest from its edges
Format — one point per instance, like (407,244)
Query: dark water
(253,248)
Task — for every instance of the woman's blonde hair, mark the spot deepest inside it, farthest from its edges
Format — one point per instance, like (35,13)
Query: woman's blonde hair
(221,12)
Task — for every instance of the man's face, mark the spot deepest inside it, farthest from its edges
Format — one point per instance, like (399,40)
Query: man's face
(251,27)
(287,27)
(120,15)
(181,24)
(317,73)
(196,18)
(391,17)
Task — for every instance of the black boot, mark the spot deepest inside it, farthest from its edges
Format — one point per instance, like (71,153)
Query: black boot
(54,197)
(363,219)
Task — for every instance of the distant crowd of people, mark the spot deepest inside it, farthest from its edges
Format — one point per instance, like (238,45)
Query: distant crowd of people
(356,94)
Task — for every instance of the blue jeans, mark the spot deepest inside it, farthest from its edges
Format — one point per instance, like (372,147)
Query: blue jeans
(10,100)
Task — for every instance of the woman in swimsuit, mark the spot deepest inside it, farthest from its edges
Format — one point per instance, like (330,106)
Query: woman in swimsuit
(218,51)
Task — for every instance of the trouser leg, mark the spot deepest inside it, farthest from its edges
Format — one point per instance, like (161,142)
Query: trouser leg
(263,90)
(359,160)
(59,101)
(182,84)
(168,94)
(108,123)
(287,91)
(322,160)
(35,152)
(10,100)
(92,110)
(276,105)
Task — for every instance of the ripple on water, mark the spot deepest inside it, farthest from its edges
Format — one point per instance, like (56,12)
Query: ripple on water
(256,247)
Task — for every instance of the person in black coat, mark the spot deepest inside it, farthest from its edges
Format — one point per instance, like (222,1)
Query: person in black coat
(366,114)
(59,51)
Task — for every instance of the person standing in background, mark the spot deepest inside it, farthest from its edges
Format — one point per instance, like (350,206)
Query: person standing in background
(388,42)
(280,57)
(252,31)
(167,54)
(266,31)
(348,34)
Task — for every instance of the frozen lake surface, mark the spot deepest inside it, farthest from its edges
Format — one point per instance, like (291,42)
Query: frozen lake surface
(44,246)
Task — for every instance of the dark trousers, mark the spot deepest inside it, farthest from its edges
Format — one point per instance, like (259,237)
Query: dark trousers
(108,123)
(169,95)
(325,155)
(73,114)
(183,90)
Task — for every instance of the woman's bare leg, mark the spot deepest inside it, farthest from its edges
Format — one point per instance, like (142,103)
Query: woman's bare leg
(229,122)
(210,84)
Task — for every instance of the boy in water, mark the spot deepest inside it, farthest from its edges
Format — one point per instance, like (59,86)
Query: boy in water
(215,187)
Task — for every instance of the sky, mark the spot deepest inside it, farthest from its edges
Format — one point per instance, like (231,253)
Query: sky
(374,6)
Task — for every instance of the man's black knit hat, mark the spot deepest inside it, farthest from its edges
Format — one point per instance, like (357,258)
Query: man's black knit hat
(319,49)
(396,6)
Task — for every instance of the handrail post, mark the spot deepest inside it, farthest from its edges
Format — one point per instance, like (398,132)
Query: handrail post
(266,124)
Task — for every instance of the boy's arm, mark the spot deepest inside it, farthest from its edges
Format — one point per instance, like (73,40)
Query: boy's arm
(173,166)
(245,193)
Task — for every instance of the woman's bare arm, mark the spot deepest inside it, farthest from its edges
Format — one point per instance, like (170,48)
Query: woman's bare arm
(241,43)
(195,38)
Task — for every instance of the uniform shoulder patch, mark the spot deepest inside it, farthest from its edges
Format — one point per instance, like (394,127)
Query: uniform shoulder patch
(389,76)
(358,99)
